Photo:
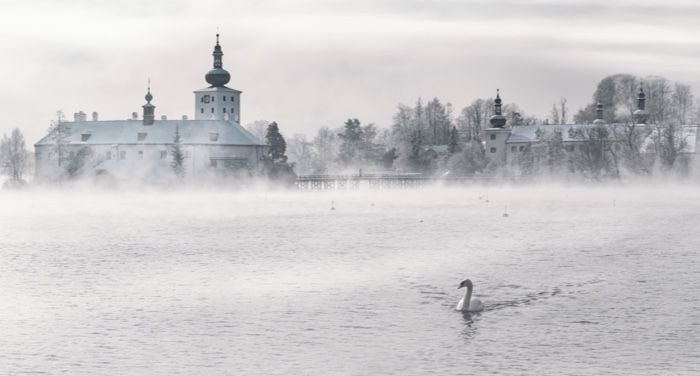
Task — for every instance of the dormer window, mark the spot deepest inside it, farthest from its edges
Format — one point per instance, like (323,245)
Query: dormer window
(84,137)
(213,137)
(141,136)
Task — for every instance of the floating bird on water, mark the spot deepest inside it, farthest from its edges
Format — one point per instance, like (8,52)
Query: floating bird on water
(332,206)
(505,212)
(467,304)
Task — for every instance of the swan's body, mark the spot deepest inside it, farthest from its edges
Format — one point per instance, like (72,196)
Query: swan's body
(467,304)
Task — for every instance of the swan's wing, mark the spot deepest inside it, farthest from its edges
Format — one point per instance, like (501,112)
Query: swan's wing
(476,305)
(460,305)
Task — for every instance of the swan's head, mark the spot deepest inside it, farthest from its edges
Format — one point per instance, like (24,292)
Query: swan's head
(465,283)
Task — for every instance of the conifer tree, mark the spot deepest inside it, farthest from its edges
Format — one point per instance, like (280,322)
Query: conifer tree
(278,146)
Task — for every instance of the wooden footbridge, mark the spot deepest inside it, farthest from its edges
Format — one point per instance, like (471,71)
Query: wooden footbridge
(375,181)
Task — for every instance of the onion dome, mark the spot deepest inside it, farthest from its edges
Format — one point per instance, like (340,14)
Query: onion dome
(497,120)
(641,116)
(599,114)
(148,108)
(218,76)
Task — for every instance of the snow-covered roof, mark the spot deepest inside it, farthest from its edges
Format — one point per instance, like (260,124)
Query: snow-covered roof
(569,132)
(212,132)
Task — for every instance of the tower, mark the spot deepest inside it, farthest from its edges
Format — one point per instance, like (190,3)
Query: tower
(217,102)
(497,134)
(641,115)
(599,114)
(148,108)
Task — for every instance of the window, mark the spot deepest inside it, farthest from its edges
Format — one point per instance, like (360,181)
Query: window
(213,163)
(84,137)
(493,150)
(108,155)
(213,137)
(212,110)
(212,98)
(232,98)
(163,154)
(493,136)
(224,98)
(513,149)
(122,154)
(141,136)
(224,109)
(140,154)
(521,148)
(569,148)
(201,110)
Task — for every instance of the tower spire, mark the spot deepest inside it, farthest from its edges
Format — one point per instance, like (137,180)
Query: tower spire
(218,76)
(641,115)
(148,108)
(497,120)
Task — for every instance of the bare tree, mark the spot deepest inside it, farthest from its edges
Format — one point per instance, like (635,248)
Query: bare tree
(554,115)
(563,110)
(682,100)
(14,156)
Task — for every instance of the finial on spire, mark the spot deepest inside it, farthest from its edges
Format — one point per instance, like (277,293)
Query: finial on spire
(149,96)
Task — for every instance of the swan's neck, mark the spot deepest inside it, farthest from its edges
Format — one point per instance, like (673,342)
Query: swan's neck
(467,298)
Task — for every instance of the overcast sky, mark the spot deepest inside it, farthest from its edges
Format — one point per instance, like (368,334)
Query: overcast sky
(312,63)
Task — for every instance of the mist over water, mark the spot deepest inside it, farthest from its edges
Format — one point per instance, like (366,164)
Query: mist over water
(576,280)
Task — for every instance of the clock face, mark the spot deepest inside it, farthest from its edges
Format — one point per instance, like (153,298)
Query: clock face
(206,98)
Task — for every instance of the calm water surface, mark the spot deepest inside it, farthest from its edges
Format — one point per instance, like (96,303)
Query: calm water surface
(575,282)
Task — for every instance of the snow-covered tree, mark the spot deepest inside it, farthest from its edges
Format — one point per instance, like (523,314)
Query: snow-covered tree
(14,156)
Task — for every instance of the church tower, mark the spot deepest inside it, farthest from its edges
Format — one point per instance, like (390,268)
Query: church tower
(217,102)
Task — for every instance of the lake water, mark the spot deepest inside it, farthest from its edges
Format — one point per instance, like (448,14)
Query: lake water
(576,281)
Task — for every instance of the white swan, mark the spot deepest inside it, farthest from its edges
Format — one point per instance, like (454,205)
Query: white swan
(467,304)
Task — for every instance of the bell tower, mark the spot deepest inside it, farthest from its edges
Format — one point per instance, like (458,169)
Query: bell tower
(217,102)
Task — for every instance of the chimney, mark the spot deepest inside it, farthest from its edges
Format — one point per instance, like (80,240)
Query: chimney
(134,116)
(76,117)
(82,116)
(94,116)
(163,117)
(184,117)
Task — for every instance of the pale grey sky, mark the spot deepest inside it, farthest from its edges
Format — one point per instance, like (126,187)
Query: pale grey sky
(311,63)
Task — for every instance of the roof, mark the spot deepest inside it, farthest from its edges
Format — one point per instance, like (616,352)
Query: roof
(217,88)
(569,132)
(161,132)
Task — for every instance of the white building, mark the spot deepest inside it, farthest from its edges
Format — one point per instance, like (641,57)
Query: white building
(504,145)
(214,143)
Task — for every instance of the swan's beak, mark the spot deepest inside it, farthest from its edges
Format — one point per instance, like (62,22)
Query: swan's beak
(460,286)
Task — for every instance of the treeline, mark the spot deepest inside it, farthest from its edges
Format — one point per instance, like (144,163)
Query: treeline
(431,138)
(426,137)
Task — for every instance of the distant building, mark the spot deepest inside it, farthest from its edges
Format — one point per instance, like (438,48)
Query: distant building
(214,143)
(504,144)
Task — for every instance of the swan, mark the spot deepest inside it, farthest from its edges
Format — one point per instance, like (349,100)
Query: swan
(467,304)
